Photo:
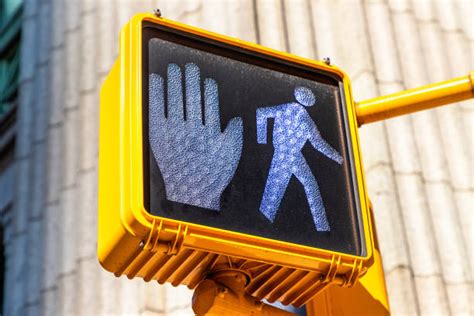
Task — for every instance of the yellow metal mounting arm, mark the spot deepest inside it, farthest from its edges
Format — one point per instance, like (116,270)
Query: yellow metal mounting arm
(223,293)
(414,100)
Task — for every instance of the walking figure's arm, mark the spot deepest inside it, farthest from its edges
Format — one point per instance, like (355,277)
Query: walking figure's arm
(322,146)
(263,114)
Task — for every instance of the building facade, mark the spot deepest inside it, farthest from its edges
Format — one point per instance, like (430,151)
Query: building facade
(419,168)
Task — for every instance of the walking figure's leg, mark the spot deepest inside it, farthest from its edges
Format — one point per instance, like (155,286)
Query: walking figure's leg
(305,176)
(275,188)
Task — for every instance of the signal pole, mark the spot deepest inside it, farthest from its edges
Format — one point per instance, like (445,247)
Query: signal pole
(414,100)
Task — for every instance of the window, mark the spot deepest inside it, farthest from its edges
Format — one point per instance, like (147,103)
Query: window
(10,31)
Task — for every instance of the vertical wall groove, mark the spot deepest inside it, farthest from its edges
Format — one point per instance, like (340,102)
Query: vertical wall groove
(390,223)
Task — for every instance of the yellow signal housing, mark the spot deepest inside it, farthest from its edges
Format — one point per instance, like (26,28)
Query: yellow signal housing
(135,243)
(367,297)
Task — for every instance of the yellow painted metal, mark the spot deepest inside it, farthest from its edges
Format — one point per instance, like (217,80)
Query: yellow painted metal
(223,293)
(134,243)
(367,297)
(417,99)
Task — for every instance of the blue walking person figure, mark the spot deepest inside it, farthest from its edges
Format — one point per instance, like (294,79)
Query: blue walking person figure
(293,127)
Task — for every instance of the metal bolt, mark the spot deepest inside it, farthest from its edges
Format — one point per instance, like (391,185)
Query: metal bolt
(141,244)
(157,13)
(222,291)
(327,61)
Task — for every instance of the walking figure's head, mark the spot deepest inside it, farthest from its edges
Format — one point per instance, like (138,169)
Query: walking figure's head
(304,96)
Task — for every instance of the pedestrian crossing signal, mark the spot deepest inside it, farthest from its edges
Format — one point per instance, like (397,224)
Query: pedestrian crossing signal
(219,153)
(293,128)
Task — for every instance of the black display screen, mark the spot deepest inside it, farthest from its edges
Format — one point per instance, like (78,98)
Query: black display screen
(248,143)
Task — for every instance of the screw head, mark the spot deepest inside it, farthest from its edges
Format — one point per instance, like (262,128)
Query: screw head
(141,244)
(222,291)
(157,12)
(327,60)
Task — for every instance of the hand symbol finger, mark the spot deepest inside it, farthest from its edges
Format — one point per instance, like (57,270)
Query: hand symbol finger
(193,93)
(211,104)
(175,93)
(235,126)
(157,101)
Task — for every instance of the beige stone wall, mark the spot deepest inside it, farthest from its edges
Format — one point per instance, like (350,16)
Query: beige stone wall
(419,168)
